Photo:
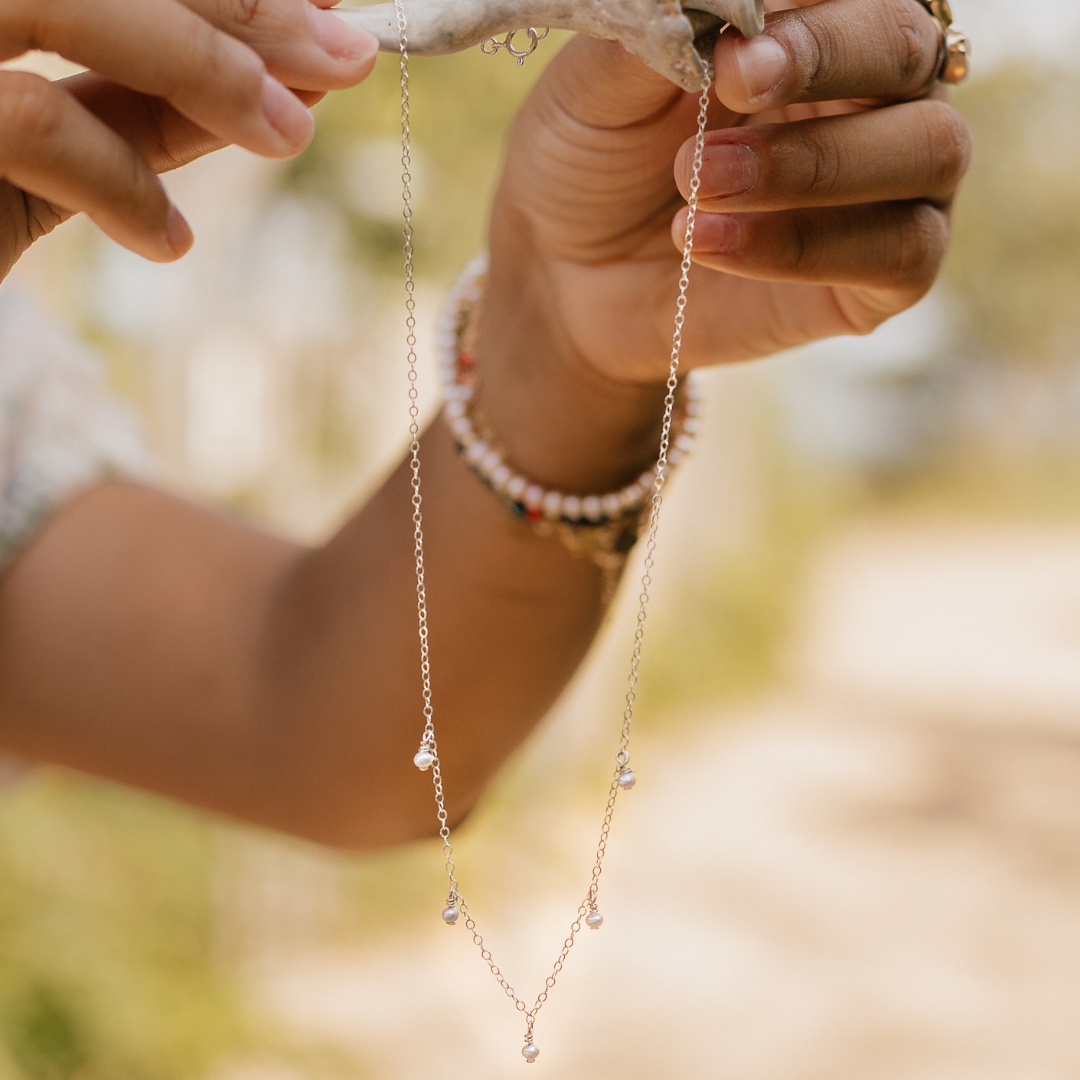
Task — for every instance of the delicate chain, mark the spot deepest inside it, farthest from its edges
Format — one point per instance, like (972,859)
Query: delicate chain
(429,747)
(428,739)
(669,411)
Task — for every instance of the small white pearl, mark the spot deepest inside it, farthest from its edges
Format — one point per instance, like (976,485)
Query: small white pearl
(647,479)
(533,496)
(594,920)
(530,1052)
(691,426)
(477,452)
(685,443)
(592,508)
(450,915)
(501,477)
(572,507)
(676,457)
(612,505)
(631,496)
(461,425)
(491,461)
(454,409)
(466,438)
(424,760)
(627,779)
(552,505)
(516,488)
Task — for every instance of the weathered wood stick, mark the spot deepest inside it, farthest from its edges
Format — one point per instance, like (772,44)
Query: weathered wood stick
(661,32)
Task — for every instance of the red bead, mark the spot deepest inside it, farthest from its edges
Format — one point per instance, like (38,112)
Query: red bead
(535,514)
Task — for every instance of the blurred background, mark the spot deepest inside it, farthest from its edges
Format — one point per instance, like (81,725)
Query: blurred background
(854,853)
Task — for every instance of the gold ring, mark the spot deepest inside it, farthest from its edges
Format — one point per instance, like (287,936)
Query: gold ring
(954,54)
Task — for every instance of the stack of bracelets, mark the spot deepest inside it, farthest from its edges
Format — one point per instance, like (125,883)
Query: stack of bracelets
(604,527)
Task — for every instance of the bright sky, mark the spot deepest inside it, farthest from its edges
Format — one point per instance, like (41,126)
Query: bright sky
(1003,28)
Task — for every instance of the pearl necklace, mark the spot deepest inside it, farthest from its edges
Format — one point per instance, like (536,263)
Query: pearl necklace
(427,757)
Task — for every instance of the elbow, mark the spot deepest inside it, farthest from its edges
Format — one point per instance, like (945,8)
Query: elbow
(360,827)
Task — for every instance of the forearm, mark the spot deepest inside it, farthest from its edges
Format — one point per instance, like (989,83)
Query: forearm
(158,644)
(511,615)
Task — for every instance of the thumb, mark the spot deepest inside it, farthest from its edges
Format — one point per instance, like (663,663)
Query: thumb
(601,85)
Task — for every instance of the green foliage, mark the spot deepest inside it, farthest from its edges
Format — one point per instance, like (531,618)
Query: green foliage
(107,952)
(1015,263)
(728,631)
(462,107)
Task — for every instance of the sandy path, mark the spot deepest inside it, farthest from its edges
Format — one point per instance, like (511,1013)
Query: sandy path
(874,875)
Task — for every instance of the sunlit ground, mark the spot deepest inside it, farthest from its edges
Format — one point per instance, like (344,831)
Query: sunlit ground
(852,851)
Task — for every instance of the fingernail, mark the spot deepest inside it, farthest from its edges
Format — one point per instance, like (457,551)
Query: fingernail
(178,234)
(287,115)
(719,234)
(728,169)
(762,64)
(342,40)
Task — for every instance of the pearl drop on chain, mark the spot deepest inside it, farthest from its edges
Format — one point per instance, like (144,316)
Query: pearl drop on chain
(539,503)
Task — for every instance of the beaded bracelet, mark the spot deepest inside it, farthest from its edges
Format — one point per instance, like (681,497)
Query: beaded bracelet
(603,526)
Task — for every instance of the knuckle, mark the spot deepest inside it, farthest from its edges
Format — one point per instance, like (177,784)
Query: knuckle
(32,23)
(42,218)
(248,11)
(921,244)
(243,13)
(911,40)
(807,243)
(822,165)
(156,148)
(949,140)
(28,110)
(232,70)
(816,54)
(144,189)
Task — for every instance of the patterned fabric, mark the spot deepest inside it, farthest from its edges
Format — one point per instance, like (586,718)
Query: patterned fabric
(60,429)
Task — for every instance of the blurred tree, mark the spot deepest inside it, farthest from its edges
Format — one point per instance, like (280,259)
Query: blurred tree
(1015,263)
(462,106)
(108,964)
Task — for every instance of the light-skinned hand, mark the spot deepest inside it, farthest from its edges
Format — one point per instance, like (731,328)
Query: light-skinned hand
(168,81)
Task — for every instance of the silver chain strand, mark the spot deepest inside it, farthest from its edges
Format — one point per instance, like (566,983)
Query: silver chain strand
(428,742)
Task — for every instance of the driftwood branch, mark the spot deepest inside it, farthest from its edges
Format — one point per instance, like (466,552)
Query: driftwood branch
(661,32)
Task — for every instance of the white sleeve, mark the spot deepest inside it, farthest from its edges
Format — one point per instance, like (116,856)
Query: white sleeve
(61,430)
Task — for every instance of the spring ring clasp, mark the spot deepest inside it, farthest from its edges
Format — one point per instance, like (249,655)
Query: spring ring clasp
(493,45)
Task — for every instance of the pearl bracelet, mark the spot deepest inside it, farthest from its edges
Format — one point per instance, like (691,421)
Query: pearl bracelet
(604,526)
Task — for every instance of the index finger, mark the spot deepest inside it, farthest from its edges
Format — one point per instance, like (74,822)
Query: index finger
(164,138)
(160,48)
(831,51)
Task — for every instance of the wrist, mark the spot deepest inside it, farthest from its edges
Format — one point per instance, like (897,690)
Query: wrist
(561,422)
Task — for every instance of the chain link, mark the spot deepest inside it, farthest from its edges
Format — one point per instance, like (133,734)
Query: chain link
(428,742)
